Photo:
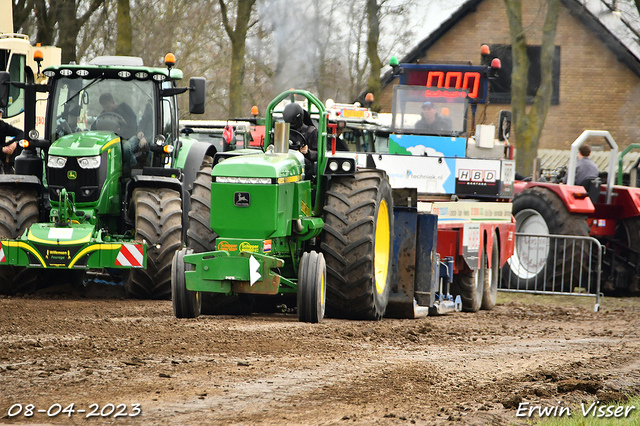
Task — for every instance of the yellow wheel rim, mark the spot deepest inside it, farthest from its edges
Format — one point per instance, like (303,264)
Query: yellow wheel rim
(381,247)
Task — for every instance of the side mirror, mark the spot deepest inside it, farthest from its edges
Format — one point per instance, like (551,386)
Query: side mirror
(5,78)
(197,91)
(504,125)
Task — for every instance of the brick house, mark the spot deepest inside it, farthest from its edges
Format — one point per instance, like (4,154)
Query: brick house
(596,75)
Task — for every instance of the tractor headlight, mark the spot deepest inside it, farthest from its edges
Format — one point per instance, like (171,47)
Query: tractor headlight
(56,162)
(340,166)
(225,179)
(89,162)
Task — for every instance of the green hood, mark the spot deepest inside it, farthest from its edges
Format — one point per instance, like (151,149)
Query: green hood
(84,144)
(260,165)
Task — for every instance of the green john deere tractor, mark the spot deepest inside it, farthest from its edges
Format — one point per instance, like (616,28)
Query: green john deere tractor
(262,227)
(102,189)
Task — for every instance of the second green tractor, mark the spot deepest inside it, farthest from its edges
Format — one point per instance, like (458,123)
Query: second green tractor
(260,228)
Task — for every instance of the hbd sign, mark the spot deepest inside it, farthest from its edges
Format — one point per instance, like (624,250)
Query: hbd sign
(467,175)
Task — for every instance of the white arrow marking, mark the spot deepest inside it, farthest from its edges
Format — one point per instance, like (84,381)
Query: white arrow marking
(254,265)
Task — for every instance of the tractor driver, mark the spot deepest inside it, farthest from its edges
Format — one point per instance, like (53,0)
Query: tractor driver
(430,120)
(127,118)
(304,138)
(10,148)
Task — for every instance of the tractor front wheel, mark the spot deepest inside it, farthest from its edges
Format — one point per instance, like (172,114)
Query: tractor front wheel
(18,211)
(186,303)
(158,221)
(311,287)
(357,244)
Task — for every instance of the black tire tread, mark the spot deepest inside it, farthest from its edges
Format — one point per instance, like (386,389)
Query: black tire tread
(348,242)
(18,211)
(158,219)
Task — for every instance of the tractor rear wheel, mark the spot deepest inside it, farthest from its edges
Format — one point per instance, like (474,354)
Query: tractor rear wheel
(201,239)
(158,221)
(311,287)
(186,303)
(491,276)
(539,211)
(357,244)
(18,211)
(628,234)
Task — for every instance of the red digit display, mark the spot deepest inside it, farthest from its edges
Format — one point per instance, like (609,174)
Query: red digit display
(457,75)
(467,78)
(476,83)
(435,74)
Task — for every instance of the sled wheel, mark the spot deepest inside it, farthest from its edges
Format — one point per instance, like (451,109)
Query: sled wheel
(186,303)
(470,286)
(311,287)
(491,275)
(357,244)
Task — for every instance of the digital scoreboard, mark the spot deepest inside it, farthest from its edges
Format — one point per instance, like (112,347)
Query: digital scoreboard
(472,80)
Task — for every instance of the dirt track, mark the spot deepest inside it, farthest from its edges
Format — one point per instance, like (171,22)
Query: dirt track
(469,369)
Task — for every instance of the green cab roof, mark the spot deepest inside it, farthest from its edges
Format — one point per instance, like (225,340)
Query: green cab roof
(114,67)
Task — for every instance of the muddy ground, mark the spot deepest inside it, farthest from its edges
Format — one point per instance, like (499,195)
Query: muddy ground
(466,369)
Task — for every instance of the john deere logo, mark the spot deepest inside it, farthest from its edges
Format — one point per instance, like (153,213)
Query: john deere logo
(242,199)
(72,174)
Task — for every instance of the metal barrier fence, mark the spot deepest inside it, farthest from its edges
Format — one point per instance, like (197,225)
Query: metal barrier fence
(554,264)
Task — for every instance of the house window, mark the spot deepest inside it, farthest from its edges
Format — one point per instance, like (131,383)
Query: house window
(500,88)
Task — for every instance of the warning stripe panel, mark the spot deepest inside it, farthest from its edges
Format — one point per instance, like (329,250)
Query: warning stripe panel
(130,255)
(2,258)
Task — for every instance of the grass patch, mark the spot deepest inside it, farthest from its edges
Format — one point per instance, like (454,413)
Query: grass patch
(578,419)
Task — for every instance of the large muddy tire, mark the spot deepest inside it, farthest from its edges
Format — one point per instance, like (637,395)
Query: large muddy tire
(201,239)
(539,211)
(186,304)
(491,275)
(18,211)
(357,245)
(158,221)
(311,287)
(200,236)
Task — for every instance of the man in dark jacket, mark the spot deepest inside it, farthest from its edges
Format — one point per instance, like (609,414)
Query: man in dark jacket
(127,119)
(10,149)
(305,137)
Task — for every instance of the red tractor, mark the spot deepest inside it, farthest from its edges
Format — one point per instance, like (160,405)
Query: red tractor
(610,213)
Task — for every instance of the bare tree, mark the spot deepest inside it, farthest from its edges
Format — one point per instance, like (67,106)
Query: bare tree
(21,11)
(124,38)
(238,37)
(528,126)
(373,35)
(63,17)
